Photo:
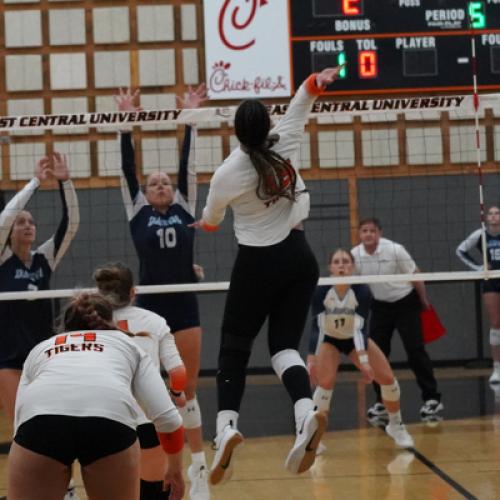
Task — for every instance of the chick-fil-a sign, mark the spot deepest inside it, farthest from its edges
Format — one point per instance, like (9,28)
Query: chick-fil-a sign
(247,48)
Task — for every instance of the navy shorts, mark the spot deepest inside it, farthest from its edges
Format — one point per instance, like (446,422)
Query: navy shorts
(345,346)
(180,310)
(66,439)
(488,286)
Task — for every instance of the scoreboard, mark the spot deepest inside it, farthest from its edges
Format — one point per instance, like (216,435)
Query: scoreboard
(397,46)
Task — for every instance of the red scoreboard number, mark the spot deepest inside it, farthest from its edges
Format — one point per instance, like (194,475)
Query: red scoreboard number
(351,7)
(367,64)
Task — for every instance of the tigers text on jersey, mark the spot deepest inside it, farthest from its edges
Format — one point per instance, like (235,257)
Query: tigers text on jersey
(474,241)
(258,222)
(93,374)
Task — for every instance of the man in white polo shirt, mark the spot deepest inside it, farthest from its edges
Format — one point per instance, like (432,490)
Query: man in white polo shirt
(396,305)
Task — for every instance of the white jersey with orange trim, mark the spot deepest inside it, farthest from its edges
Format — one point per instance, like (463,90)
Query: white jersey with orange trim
(159,343)
(93,374)
(260,222)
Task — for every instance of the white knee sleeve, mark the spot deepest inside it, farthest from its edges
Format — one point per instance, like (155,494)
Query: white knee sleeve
(322,398)
(285,359)
(495,336)
(390,392)
(191,414)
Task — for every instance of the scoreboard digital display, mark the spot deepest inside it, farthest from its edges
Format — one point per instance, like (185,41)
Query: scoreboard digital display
(397,46)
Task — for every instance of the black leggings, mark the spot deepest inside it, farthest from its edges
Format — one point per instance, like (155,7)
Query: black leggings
(274,283)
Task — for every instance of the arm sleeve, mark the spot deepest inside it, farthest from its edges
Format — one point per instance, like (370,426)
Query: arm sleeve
(291,127)
(364,298)
(169,355)
(218,199)
(55,248)
(12,209)
(466,246)
(132,195)
(152,395)
(186,193)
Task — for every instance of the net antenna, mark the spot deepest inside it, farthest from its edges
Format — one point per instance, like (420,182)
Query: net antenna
(475,101)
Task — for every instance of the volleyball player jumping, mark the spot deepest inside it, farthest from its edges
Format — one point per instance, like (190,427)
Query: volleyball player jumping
(275,272)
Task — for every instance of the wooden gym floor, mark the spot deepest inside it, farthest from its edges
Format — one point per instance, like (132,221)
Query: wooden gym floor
(459,458)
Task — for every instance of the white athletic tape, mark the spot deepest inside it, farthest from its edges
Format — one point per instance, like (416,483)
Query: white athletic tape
(390,392)
(191,414)
(285,359)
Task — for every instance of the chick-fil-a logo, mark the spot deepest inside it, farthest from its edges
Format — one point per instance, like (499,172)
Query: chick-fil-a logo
(236,22)
(220,81)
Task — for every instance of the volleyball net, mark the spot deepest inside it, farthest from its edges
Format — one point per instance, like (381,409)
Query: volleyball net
(411,162)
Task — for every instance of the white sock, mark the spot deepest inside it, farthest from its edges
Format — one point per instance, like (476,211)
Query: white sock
(395,418)
(227,417)
(322,398)
(496,365)
(301,408)
(198,458)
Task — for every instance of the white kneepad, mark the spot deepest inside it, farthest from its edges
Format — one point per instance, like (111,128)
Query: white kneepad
(285,359)
(495,336)
(191,414)
(390,392)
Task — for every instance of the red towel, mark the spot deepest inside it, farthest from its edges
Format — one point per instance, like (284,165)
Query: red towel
(432,328)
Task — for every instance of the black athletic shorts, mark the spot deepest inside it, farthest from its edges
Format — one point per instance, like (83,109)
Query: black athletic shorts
(493,285)
(66,438)
(148,438)
(180,310)
(345,346)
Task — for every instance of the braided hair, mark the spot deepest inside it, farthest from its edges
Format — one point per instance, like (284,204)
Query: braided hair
(277,177)
(88,311)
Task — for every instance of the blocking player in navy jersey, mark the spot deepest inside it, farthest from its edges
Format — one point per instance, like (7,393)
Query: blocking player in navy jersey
(115,282)
(340,317)
(490,288)
(24,323)
(159,221)
(77,401)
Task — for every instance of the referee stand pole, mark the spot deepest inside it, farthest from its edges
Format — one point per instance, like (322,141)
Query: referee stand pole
(480,361)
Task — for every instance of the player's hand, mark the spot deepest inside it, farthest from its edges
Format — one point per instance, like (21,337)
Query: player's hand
(328,75)
(201,224)
(125,100)
(42,169)
(367,371)
(193,98)
(60,168)
(199,272)
(174,480)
